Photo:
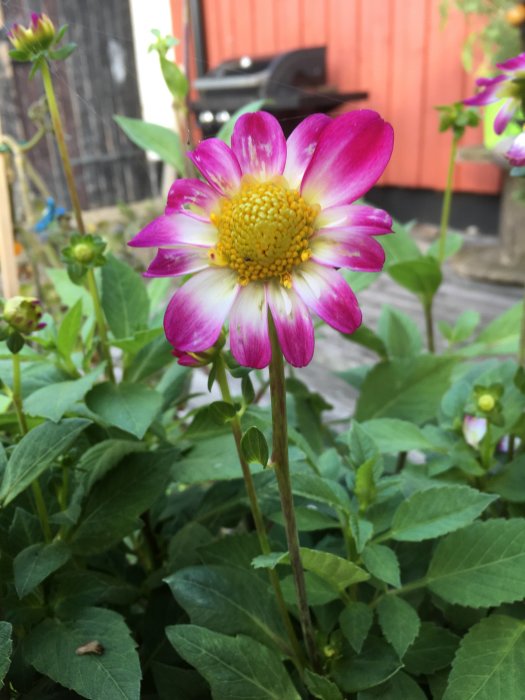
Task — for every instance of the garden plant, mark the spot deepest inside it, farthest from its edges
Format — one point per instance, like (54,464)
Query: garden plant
(153,545)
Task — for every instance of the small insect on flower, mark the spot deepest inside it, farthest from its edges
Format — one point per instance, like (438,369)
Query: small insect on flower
(267,232)
(93,647)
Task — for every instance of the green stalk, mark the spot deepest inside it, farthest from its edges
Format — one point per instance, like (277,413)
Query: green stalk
(447,199)
(75,203)
(521,348)
(429,324)
(282,473)
(22,423)
(264,544)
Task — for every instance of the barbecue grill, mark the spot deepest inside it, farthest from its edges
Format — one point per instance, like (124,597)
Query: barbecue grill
(292,85)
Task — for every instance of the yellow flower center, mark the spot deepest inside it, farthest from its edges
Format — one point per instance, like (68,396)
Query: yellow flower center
(486,402)
(264,231)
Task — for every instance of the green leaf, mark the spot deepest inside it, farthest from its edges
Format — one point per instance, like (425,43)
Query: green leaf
(433,649)
(51,649)
(399,687)
(500,337)
(392,435)
(308,519)
(376,664)
(254,446)
(436,511)
(69,292)
(210,459)
(131,407)
(153,137)
(421,277)
(138,341)
(35,452)
(382,563)
(318,591)
(229,600)
(124,298)
(453,244)
(361,444)
(399,333)
(355,622)
(482,565)
(401,246)
(490,662)
(338,572)
(236,667)
(366,337)
(6,646)
(103,456)
(408,389)
(54,400)
(69,330)
(226,130)
(321,687)
(465,325)
(116,501)
(221,411)
(399,621)
(510,483)
(34,564)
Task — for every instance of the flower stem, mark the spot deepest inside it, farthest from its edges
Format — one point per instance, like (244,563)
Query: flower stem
(61,143)
(282,472)
(75,203)
(447,200)
(429,324)
(264,544)
(521,348)
(101,322)
(22,423)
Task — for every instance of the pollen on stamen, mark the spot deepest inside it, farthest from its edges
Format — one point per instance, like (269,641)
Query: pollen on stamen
(263,231)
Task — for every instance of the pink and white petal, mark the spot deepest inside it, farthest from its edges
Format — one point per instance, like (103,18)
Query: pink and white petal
(343,248)
(172,262)
(249,339)
(505,114)
(328,295)
(259,144)
(350,157)
(196,312)
(192,196)
(516,153)
(358,217)
(293,324)
(175,229)
(217,162)
(513,64)
(301,146)
(489,92)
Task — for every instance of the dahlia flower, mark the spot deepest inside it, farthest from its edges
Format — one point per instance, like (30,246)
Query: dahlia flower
(510,85)
(268,229)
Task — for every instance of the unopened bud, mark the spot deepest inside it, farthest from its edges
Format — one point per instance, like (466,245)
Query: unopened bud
(37,37)
(486,403)
(23,314)
(83,252)
(202,358)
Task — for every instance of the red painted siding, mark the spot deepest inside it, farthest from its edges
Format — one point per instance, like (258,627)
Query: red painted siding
(397,50)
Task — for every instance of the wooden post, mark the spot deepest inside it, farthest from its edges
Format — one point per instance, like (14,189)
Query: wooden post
(8,266)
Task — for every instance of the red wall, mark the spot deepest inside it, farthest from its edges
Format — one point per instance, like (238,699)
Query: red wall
(396,50)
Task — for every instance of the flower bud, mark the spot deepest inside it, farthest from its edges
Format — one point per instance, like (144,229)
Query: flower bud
(37,37)
(486,403)
(203,358)
(23,314)
(83,253)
